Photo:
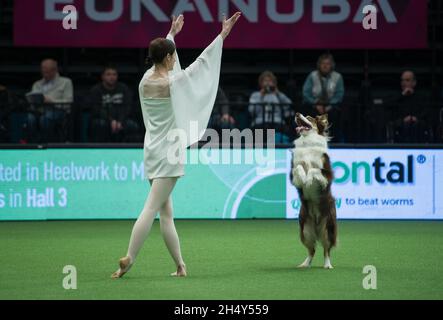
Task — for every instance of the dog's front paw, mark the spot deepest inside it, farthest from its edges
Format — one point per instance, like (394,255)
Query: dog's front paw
(300,173)
(309,180)
(316,175)
(299,176)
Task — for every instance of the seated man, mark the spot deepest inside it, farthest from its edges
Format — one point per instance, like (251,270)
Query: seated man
(57,94)
(270,108)
(410,112)
(323,92)
(111,103)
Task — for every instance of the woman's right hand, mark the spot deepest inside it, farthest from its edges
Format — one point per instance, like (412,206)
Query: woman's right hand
(229,24)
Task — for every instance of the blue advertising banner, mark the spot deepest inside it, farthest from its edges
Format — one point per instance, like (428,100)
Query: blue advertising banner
(219,184)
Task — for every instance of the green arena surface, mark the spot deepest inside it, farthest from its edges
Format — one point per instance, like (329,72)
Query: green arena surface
(243,259)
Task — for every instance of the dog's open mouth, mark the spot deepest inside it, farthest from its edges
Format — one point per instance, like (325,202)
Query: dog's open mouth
(303,124)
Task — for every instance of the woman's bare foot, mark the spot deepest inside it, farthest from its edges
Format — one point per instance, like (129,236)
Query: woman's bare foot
(125,264)
(181,271)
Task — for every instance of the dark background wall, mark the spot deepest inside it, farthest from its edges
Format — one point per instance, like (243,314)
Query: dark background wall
(19,67)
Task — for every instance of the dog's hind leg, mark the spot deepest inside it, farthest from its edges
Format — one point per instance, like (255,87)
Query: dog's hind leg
(327,245)
(308,238)
(308,260)
(327,264)
(329,234)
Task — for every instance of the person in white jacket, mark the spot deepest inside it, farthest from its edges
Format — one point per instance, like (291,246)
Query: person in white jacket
(175,103)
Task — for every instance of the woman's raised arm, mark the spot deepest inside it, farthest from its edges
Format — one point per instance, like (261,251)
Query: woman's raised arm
(177,25)
(229,24)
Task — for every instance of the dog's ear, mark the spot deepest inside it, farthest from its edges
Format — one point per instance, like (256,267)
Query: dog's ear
(322,123)
(323,117)
(322,120)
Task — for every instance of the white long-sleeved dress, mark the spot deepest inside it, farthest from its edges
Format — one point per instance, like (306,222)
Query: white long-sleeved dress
(176,110)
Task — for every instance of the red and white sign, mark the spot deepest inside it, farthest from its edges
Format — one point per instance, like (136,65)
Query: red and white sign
(265,23)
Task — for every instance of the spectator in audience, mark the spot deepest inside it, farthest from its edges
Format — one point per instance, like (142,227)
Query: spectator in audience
(13,118)
(220,117)
(269,107)
(6,106)
(111,105)
(410,111)
(58,93)
(324,90)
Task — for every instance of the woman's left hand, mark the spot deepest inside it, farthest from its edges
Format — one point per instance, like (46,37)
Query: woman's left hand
(177,25)
(229,24)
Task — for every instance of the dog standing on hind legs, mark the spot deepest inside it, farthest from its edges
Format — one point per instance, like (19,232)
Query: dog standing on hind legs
(311,173)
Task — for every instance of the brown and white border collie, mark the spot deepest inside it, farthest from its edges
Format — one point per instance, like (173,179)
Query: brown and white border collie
(312,175)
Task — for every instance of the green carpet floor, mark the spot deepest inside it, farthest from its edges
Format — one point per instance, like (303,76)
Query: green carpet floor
(253,259)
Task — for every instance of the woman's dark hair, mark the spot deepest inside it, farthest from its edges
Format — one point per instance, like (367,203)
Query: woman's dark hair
(159,49)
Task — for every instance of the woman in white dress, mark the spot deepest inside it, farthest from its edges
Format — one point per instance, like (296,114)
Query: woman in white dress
(175,103)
